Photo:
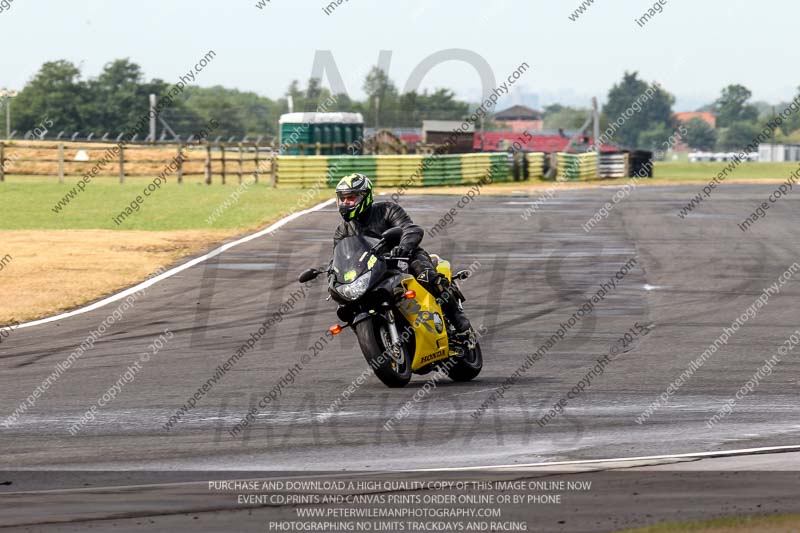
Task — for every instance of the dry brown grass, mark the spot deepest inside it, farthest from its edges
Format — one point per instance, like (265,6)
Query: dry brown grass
(54,271)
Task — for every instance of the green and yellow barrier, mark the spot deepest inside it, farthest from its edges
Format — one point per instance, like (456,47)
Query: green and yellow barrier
(342,165)
(576,167)
(302,171)
(395,170)
(535,165)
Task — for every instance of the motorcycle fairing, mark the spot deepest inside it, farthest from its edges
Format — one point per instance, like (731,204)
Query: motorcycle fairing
(425,316)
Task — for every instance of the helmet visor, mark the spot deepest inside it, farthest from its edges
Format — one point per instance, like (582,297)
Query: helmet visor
(349,199)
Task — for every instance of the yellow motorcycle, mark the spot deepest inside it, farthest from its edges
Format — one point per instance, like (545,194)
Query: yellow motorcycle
(399,324)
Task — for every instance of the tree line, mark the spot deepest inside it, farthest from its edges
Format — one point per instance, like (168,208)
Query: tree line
(739,120)
(118,97)
(58,98)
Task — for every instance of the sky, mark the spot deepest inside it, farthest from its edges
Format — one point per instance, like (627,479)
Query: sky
(692,48)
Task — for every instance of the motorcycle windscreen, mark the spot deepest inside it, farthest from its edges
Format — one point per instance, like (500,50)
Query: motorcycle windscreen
(351,257)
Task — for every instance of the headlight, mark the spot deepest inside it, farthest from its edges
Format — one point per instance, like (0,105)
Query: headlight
(356,289)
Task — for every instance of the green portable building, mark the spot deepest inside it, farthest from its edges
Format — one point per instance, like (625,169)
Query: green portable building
(334,131)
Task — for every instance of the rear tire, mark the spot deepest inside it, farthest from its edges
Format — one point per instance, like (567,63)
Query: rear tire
(373,338)
(469,366)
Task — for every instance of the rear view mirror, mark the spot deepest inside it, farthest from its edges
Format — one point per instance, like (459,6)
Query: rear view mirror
(308,275)
(392,236)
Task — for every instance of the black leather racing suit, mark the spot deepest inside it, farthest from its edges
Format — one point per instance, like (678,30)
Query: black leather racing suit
(381,216)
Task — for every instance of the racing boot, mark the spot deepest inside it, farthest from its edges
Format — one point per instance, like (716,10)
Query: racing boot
(451,309)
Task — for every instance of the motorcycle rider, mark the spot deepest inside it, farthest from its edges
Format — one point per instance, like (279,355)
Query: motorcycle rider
(362,216)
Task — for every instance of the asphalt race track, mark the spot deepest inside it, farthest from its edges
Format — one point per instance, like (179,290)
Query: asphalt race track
(691,279)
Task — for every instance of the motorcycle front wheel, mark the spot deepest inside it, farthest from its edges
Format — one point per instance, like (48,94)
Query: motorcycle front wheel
(393,367)
(468,367)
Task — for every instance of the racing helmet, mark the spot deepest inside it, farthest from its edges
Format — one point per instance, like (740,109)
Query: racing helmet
(353,196)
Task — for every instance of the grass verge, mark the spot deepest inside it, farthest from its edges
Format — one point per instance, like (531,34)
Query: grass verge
(55,262)
(172,207)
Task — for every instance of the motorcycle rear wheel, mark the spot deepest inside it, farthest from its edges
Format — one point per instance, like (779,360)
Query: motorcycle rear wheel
(373,338)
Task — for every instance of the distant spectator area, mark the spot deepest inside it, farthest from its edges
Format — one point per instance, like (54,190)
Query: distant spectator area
(499,141)
(520,118)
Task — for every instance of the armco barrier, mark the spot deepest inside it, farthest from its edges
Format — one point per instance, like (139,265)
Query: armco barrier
(576,167)
(395,170)
(613,166)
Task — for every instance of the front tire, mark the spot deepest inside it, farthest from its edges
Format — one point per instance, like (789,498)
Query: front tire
(469,366)
(373,338)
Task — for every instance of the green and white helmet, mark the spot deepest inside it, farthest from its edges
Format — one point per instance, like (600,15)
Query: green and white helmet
(348,186)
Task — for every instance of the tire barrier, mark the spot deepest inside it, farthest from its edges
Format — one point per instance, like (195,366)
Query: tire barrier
(613,165)
(535,168)
(576,167)
(302,171)
(397,170)
(641,164)
(441,170)
(475,166)
(343,165)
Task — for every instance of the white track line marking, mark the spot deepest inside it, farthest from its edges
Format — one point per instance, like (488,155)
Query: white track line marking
(177,269)
(695,455)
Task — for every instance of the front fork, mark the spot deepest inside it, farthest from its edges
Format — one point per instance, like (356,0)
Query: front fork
(392,325)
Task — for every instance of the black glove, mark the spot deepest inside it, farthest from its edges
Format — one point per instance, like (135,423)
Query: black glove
(399,251)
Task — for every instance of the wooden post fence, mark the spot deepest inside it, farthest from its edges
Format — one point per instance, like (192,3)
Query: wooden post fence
(241,162)
(122,163)
(61,162)
(137,160)
(2,162)
(222,152)
(208,164)
(180,162)
(258,168)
